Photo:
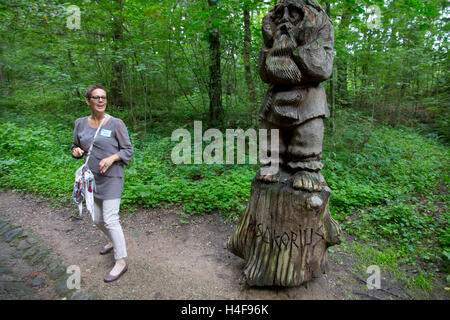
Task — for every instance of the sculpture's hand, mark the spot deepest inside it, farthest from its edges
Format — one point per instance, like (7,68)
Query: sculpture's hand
(315,56)
(262,65)
(307,33)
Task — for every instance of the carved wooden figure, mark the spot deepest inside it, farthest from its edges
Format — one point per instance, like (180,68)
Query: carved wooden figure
(286,228)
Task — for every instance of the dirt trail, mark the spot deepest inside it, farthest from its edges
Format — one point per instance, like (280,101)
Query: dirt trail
(167,259)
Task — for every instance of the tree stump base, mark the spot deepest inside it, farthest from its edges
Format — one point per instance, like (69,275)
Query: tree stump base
(284,234)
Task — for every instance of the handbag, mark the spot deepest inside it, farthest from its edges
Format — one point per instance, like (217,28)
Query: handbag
(84,186)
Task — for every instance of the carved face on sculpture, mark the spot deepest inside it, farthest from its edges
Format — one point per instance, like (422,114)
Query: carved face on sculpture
(284,29)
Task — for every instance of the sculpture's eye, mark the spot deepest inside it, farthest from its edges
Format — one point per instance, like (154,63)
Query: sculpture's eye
(278,14)
(296,14)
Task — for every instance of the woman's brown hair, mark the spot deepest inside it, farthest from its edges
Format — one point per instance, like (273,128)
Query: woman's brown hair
(91,88)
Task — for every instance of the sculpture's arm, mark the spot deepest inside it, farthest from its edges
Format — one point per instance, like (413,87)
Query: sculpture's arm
(267,34)
(315,57)
(262,64)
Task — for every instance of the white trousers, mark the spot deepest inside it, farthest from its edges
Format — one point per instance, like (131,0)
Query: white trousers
(106,218)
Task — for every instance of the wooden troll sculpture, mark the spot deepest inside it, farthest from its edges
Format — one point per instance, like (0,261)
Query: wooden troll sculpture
(286,228)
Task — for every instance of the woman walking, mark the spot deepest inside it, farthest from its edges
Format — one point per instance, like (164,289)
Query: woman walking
(111,150)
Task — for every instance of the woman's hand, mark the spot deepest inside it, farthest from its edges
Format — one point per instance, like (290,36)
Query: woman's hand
(104,164)
(77,152)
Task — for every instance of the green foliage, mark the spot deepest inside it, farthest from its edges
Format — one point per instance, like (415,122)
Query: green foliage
(36,159)
(424,281)
(156,55)
(153,180)
(389,184)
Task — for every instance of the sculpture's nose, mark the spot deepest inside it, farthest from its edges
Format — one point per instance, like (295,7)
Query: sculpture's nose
(285,17)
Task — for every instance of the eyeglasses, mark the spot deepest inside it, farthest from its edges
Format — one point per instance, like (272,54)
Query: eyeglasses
(98,98)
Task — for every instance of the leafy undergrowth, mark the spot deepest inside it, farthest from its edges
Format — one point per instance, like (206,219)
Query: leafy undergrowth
(389,184)
(390,194)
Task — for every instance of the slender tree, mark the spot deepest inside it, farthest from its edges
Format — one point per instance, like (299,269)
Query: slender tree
(215,77)
(247,64)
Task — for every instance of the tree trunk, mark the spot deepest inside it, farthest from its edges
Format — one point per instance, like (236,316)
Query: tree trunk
(341,65)
(215,76)
(248,72)
(168,58)
(74,75)
(116,90)
(5,87)
(332,94)
(284,235)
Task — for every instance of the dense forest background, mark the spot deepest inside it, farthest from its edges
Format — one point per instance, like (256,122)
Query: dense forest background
(168,63)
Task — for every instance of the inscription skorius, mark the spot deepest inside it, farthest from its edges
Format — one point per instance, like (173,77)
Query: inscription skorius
(300,238)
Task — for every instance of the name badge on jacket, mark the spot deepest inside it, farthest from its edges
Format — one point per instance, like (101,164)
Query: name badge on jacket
(105,133)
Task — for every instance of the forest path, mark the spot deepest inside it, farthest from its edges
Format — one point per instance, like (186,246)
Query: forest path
(167,259)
